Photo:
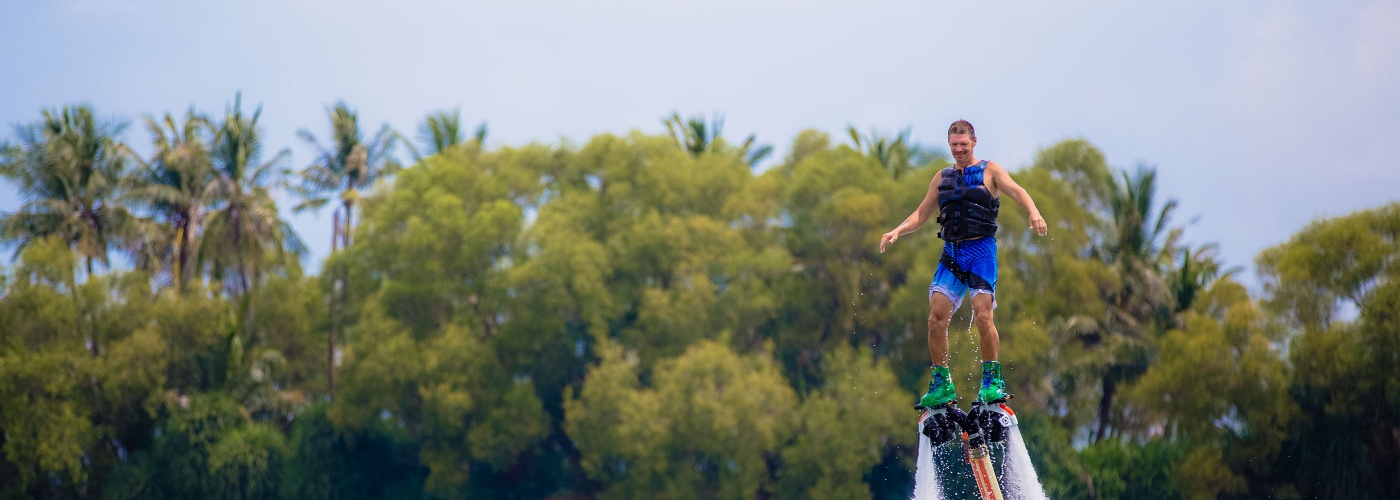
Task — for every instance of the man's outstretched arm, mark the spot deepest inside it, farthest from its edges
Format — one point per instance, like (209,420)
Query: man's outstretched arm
(919,217)
(1006,184)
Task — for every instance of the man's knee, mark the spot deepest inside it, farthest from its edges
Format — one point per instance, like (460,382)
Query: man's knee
(940,309)
(938,317)
(984,323)
(983,306)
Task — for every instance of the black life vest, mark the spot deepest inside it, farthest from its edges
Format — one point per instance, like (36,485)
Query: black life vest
(966,208)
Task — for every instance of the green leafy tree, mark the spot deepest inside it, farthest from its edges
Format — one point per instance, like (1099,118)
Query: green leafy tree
(1057,293)
(291,325)
(733,423)
(1219,387)
(833,203)
(179,463)
(846,427)
(1116,468)
(247,462)
(1345,371)
(433,245)
(470,416)
(70,413)
(46,372)
(375,461)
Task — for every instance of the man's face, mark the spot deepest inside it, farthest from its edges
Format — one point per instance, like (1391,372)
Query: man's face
(961,146)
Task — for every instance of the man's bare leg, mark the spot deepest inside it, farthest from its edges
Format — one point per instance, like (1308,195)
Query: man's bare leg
(940,384)
(940,312)
(993,387)
(986,328)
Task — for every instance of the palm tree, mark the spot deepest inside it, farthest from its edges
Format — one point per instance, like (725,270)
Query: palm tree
(697,137)
(1139,247)
(441,130)
(178,186)
(1195,273)
(898,155)
(1143,238)
(70,169)
(347,165)
(244,227)
(892,153)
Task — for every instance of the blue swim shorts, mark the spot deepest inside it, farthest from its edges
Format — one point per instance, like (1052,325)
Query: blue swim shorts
(969,265)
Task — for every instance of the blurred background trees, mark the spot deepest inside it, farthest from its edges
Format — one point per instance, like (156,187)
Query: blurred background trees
(645,316)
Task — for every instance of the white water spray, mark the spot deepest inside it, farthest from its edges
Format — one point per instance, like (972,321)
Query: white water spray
(1018,479)
(926,471)
(1017,476)
(974,376)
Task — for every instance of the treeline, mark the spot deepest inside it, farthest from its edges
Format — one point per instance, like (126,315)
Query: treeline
(646,317)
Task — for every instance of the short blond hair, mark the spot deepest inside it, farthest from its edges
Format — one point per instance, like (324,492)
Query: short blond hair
(962,127)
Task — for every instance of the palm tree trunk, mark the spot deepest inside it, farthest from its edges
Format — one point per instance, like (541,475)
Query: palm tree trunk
(245,284)
(182,257)
(334,311)
(339,289)
(330,345)
(243,275)
(1110,388)
(238,251)
(346,235)
(251,312)
(85,316)
(335,230)
(247,296)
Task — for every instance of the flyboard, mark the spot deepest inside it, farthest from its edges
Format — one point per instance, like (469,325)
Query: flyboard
(988,427)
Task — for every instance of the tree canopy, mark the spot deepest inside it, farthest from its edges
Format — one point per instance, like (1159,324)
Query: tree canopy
(645,316)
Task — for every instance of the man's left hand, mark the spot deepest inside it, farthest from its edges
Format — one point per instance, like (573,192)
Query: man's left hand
(1038,225)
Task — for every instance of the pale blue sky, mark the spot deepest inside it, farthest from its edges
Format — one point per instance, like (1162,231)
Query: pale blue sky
(1260,116)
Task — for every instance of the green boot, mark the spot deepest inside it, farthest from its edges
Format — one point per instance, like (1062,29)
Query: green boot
(940,389)
(993,387)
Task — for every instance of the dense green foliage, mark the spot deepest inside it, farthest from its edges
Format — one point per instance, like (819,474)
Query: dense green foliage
(647,316)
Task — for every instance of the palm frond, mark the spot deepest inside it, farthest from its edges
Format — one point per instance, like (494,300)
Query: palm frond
(753,153)
(479,135)
(316,179)
(310,140)
(440,130)
(310,204)
(262,172)
(412,149)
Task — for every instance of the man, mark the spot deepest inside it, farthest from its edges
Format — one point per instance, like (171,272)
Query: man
(967,197)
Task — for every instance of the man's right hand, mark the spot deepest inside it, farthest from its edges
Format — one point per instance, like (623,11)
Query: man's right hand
(889,237)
